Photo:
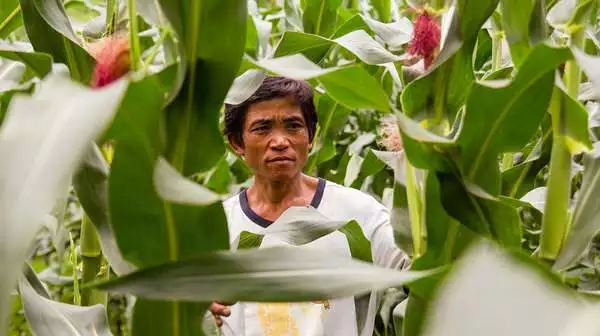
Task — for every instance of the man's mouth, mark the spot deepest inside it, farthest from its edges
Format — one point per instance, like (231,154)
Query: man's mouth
(280,159)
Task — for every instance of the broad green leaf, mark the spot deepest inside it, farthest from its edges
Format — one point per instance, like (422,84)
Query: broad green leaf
(292,274)
(394,34)
(536,198)
(11,17)
(369,166)
(173,187)
(488,279)
(301,225)
(147,195)
(48,317)
(441,91)
(341,86)
(39,151)
(339,82)
(360,246)
(576,122)
(39,63)
(248,240)
(91,185)
(314,47)
(244,86)
(510,115)
(355,22)
(366,48)
(479,211)
(585,220)
(193,116)
(518,19)
(294,66)
(423,148)
(320,17)
(50,31)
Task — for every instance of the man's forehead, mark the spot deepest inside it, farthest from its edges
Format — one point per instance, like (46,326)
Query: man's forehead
(274,109)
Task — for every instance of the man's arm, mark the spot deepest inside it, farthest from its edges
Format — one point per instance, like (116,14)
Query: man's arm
(384,249)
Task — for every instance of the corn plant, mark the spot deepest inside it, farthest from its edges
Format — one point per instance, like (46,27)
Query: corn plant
(474,122)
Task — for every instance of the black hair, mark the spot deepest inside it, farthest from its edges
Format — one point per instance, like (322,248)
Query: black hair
(272,87)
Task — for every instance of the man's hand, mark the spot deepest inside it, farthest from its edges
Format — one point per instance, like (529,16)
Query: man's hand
(219,309)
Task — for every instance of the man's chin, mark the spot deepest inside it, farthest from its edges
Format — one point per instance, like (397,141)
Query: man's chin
(283,176)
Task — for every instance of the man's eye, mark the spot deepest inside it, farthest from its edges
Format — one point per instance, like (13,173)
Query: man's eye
(295,125)
(260,129)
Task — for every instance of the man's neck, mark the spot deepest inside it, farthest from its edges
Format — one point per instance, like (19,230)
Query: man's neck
(275,193)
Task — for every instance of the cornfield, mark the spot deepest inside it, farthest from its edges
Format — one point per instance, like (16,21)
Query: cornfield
(476,123)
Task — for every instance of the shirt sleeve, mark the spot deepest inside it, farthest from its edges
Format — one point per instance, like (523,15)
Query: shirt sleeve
(384,250)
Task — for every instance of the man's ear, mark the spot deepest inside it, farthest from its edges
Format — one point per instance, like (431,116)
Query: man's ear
(238,148)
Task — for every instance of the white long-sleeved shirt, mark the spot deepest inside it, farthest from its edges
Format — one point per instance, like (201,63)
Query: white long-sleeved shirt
(330,318)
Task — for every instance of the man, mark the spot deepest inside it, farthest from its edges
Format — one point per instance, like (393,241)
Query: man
(273,131)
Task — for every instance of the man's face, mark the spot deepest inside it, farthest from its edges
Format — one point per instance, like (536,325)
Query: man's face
(275,137)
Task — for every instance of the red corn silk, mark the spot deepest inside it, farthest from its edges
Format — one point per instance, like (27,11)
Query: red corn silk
(112,60)
(426,37)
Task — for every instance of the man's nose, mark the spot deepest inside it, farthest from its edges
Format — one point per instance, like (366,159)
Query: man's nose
(279,142)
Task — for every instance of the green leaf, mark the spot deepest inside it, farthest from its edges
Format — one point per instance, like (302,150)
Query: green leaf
(193,116)
(367,166)
(39,151)
(394,34)
(11,17)
(50,31)
(91,185)
(519,18)
(148,195)
(292,273)
(248,240)
(510,114)
(463,303)
(48,317)
(39,63)
(366,48)
(314,47)
(479,211)
(302,225)
(576,123)
(424,149)
(340,85)
(360,246)
(320,17)
(244,86)
(355,22)
(586,216)
(338,82)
